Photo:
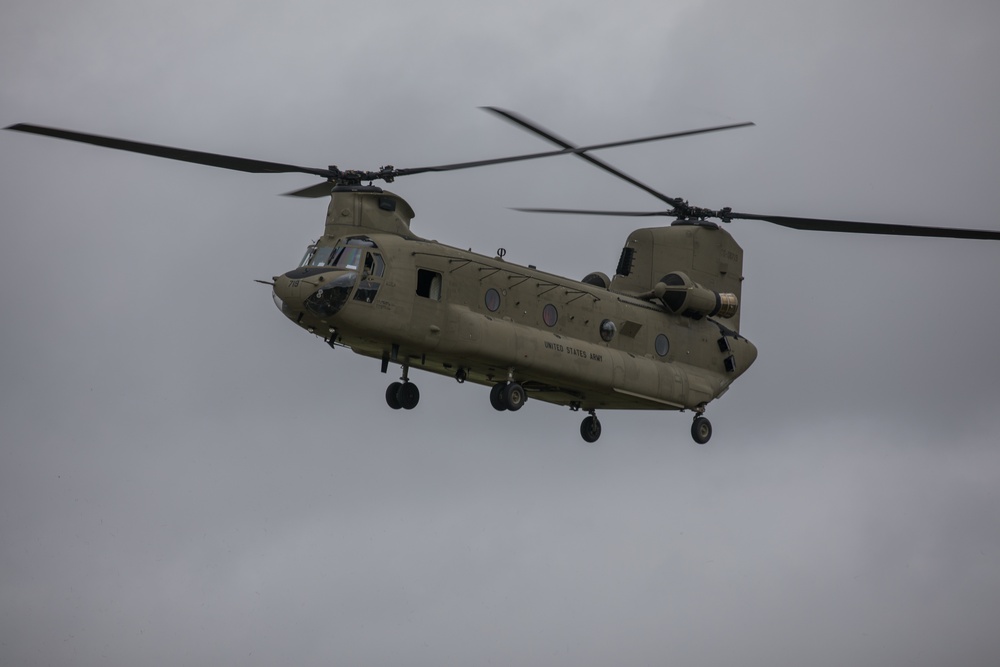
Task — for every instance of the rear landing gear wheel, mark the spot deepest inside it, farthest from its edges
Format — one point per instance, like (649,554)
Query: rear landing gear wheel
(392,395)
(408,396)
(701,430)
(496,397)
(590,428)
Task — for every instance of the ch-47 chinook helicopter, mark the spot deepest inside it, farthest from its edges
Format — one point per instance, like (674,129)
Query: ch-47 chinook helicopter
(662,334)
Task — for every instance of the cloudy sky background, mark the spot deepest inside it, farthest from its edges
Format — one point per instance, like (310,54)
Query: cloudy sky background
(187,478)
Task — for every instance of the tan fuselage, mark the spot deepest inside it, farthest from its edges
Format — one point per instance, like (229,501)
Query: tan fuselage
(446,310)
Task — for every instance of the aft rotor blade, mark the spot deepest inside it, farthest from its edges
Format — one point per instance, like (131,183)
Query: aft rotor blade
(567,149)
(850,227)
(552,137)
(169,152)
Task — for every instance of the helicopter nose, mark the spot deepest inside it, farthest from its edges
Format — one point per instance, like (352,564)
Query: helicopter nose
(288,294)
(321,293)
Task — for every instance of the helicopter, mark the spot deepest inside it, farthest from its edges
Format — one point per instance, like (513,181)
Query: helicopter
(663,333)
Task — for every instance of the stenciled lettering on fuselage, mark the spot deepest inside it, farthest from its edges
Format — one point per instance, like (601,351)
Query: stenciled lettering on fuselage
(573,351)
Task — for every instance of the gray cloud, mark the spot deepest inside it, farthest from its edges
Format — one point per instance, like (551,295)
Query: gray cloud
(186,478)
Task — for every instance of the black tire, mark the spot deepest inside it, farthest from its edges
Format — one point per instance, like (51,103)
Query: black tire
(590,429)
(514,396)
(408,396)
(701,430)
(496,397)
(392,395)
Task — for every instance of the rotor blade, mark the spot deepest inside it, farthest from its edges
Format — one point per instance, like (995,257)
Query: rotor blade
(850,227)
(169,152)
(559,141)
(550,136)
(624,214)
(313,191)
(568,149)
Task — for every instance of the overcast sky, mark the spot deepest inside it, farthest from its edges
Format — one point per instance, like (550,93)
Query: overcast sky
(187,478)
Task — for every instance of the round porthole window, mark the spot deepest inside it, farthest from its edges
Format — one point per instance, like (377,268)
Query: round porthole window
(608,330)
(662,345)
(550,315)
(492,300)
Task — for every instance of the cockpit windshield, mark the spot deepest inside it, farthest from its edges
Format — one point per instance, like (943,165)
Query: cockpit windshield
(345,255)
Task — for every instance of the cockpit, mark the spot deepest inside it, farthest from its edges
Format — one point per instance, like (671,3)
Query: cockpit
(353,256)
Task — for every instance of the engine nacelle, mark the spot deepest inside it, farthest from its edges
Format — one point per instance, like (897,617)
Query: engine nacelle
(597,279)
(682,296)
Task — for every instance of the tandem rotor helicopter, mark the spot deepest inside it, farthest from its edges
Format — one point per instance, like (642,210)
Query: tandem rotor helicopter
(662,334)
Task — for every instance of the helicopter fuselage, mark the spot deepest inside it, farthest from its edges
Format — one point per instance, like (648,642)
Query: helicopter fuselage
(373,286)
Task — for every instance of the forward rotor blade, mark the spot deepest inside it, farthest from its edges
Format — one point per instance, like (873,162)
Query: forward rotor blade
(313,191)
(169,152)
(623,214)
(851,227)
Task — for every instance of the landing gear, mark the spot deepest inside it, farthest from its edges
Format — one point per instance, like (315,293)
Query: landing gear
(507,396)
(590,428)
(392,395)
(701,430)
(403,395)
(496,399)
(408,396)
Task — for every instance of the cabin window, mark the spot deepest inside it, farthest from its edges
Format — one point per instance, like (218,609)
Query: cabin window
(429,284)
(492,300)
(550,315)
(608,330)
(662,345)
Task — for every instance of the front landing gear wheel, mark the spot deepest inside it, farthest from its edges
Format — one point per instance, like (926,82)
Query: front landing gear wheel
(590,428)
(514,396)
(392,395)
(701,430)
(496,397)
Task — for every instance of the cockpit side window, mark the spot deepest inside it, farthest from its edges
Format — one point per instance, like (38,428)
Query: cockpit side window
(306,257)
(374,270)
(374,265)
